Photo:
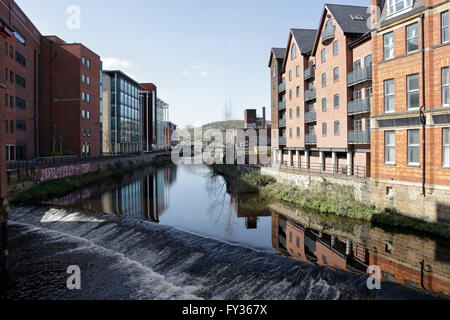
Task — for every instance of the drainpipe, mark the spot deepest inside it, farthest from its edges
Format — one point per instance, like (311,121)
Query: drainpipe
(422,269)
(423,119)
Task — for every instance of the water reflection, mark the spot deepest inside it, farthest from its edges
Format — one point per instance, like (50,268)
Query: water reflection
(191,198)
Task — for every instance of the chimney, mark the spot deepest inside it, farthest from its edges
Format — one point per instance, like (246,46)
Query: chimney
(375,11)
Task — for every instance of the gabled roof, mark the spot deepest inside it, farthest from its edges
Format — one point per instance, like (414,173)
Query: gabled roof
(344,17)
(304,39)
(278,53)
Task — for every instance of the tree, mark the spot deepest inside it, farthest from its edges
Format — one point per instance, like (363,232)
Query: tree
(228,110)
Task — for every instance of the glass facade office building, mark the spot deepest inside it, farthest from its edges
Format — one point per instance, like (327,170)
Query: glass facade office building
(125,113)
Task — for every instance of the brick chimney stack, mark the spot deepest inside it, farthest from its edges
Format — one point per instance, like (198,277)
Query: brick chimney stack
(375,10)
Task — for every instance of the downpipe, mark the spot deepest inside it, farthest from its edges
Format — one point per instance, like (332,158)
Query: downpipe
(423,119)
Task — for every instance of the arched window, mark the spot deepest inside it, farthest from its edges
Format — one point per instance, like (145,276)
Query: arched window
(294,51)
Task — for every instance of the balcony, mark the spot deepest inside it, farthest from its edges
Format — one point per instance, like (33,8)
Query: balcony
(282,123)
(310,117)
(311,139)
(282,105)
(310,94)
(309,73)
(282,87)
(359,137)
(359,76)
(283,141)
(328,33)
(359,106)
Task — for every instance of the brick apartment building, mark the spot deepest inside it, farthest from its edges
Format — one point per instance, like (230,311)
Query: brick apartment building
(149,98)
(70,95)
(276,87)
(19,65)
(324,95)
(411,106)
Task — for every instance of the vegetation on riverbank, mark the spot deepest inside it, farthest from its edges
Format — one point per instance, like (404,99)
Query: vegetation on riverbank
(326,198)
(59,188)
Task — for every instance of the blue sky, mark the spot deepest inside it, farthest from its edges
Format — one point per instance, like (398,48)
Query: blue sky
(198,52)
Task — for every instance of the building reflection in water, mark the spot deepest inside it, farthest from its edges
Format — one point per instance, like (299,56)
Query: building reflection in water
(141,195)
(251,209)
(392,254)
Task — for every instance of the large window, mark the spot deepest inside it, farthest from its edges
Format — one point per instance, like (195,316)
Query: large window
(324,129)
(324,79)
(413,147)
(389,46)
(294,51)
(324,104)
(444,27)
(446,147)
(395,6)
(336,101)
(336,74)
(337,127)
(297,71)
(335,48)
(413,91)
(323,55)
(445,87)
(389,147)
(389,96)
(412,40)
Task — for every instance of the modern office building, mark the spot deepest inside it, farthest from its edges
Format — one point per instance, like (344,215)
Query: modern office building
(324,81)
(149,99)
(70,86)
(411,106)
(122,120)
(162,117)
(19,65)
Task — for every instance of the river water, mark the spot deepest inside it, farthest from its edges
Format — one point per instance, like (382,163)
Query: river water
(175,233)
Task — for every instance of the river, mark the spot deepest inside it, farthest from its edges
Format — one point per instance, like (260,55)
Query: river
(174,232)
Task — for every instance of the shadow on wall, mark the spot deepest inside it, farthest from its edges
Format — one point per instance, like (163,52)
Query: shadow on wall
(443,213)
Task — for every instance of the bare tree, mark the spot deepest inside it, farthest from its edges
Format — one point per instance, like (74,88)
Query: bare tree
(228,110)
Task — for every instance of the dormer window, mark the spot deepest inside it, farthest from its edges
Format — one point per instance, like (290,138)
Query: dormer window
(294,51)
(395,6)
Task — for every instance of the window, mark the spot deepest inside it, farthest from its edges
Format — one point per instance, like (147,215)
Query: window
(290,94)
(290,113)
(337,127)
(298,132)
(88,115)
(413,91)
(395,6)
(290,75)
(324,104)
(83,61)
(274,71)
(298,91)
(413,147)
(335,48)
(336,74)
(11,76)
(357,65)
(324,129)
(83,114)
(357,95)
(83,132)
(20,103)
(323,55)
(88,97)
(83,96)
(11,126)
(294,51)
(298,112)
(412,40)
(358,125)
(6,126)
(389,46)
(444,27)
(20,59)
(336,101)
(21,125)
(445,87)
(21,81)
(11,101)
(89,64)
(83,78)
(290,133)
(446,147)
(6,100)
(11,52)
(297,71)
(20,37)
(324,79)
(389,147)
(389,96)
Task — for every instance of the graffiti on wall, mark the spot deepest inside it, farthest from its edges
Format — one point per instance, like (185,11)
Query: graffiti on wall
(64,171)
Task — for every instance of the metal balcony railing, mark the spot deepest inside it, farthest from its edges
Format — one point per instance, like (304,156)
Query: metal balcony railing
(282,87)
(359,137)
(282,123)
(309,73)
(311,139)
(283,141)
(282,105)
(359,76)
(310,116)
(359,106)
(328,169)
(328,33)
(310,94)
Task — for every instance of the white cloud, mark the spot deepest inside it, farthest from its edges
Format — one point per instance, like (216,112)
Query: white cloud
(115,64)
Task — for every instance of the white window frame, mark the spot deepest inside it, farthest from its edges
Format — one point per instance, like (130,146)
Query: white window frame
(293,51)
(389,147)
(408,39)
(324,79)
(297,71)
(445,86)
(416,147)
(336,48)
(444,27)
(323,55)
(336,75)
(390,46)
(386,96)
(413,91)
(446,147)
(324,129)
(393,6)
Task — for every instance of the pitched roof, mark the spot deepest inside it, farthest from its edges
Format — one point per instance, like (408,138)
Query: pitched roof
(343,15)
(278,53)
(305,39)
